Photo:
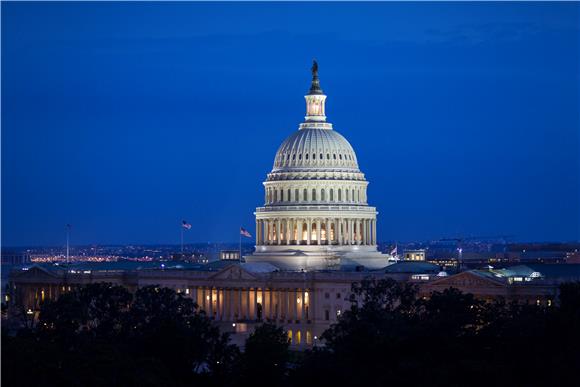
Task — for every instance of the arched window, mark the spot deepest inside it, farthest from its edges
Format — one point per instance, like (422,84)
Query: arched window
(321,156)
(296,195)
(347,193)
(339,195)
(306,156)
(314,156)
(305,195)
(294,156)
(300,156)
(352,195)
(313,194)
(331,194)
(334,156)
(328,156)
(289,195)
(275,195)
(340,157)
(281,195)
(322,197)
(358,195)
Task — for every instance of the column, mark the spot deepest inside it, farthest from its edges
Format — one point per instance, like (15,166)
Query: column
(303,305)
(255,314)
(203,299)
(374,232)
(240,315)
(308,233)
(211,301)
(327,226)
(218,305)
(248,305)
(231,304)
(359,231)
(318,233)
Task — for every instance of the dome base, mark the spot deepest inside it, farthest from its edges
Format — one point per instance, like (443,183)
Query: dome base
(310,258)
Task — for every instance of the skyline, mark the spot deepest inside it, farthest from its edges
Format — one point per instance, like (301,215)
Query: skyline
(465,125)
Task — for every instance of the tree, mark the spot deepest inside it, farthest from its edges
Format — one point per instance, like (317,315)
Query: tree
(265,356)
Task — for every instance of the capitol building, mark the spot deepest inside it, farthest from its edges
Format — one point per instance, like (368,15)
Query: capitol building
(316,235)
(315,214)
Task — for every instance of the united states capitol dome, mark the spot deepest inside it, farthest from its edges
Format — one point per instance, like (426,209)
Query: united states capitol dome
(315,213)
(315,148)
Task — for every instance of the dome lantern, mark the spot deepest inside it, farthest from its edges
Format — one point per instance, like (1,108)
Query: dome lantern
(315,99)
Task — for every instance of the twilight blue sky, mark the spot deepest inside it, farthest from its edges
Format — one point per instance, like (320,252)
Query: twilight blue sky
(124,118)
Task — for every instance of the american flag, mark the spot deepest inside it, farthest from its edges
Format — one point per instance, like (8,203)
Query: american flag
(245,232)
(394,251)
(185,225)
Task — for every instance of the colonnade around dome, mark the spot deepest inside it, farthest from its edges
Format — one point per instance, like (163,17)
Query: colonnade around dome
(316,231)
(352,194)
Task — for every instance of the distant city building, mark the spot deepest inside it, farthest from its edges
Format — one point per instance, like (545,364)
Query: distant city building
(414,255)
(230,255)
(15,258)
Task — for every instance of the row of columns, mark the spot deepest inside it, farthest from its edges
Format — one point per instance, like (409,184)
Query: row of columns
(233,304)
(319,231)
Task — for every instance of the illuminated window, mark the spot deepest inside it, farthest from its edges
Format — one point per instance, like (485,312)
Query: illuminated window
(298,337)
(538,302)
(187,291)
(549,302)
(308,337)
(290,335)
(338,312)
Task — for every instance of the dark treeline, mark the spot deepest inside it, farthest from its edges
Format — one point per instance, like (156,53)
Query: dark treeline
(103,335)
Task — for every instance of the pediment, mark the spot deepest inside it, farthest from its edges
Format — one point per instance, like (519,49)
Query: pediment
(233,272)
(467,279)
(35,272)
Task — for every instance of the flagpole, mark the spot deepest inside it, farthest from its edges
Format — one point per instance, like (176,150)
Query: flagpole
(182,241)
(240,257)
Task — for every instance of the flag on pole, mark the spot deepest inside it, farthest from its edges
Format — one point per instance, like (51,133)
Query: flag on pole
(185,225)
(394,252)
(245,232)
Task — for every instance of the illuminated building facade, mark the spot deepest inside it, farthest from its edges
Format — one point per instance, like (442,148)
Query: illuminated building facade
(316,214)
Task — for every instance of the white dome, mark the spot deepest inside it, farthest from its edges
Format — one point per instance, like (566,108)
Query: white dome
(314,148)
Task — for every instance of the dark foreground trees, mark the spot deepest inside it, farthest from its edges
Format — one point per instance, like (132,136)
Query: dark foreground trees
(102,335)
(450,339)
